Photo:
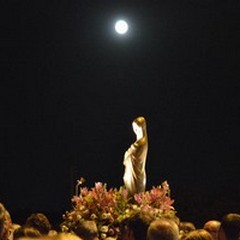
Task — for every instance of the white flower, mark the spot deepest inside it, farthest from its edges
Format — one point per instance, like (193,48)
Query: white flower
(93,216)
(104,229)
(135,207)
(104,216)
(64,228)
(103,235)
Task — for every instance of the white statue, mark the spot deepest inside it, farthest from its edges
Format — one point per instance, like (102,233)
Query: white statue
(135,159)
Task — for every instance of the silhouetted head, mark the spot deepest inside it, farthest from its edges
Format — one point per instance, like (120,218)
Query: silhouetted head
(28,232)
(199,234)
(5,223)
(87,230)
(40,222)
(230,227)
(212,226)
(164,229)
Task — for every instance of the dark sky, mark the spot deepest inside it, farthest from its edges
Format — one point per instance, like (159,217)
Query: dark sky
(70,88)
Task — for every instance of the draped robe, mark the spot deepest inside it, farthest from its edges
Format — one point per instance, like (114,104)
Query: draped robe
(134,161)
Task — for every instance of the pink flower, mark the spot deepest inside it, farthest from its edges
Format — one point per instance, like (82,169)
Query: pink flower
(114,208)
(84,191)
(98,186)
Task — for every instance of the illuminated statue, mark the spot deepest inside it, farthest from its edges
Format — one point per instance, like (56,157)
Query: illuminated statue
(135,159)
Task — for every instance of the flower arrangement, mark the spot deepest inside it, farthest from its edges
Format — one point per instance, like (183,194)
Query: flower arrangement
(114,208)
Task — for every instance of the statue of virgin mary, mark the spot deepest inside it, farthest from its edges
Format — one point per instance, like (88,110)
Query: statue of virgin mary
(135,159)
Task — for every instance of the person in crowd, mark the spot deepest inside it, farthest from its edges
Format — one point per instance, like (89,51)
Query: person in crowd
(137,229)
(87,230)
(163,229)
(212,226)
(59,236)
(40,222)
(199,234)
(185,228)
(5,223)
(27,232)
(230,227)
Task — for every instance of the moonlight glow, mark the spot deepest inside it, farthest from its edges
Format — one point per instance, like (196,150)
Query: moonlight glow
(121,27)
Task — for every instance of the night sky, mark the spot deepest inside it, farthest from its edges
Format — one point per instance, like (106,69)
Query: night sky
(70,88)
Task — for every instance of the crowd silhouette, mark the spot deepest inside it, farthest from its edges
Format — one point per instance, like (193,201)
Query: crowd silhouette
(38,226)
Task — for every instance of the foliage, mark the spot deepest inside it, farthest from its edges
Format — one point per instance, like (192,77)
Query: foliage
(114,208)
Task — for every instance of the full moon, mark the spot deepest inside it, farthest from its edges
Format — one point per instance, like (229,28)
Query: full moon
(121,27)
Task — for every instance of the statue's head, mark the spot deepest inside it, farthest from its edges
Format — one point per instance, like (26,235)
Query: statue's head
(139,126)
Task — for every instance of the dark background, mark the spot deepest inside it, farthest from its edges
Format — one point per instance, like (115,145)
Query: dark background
(70,88)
